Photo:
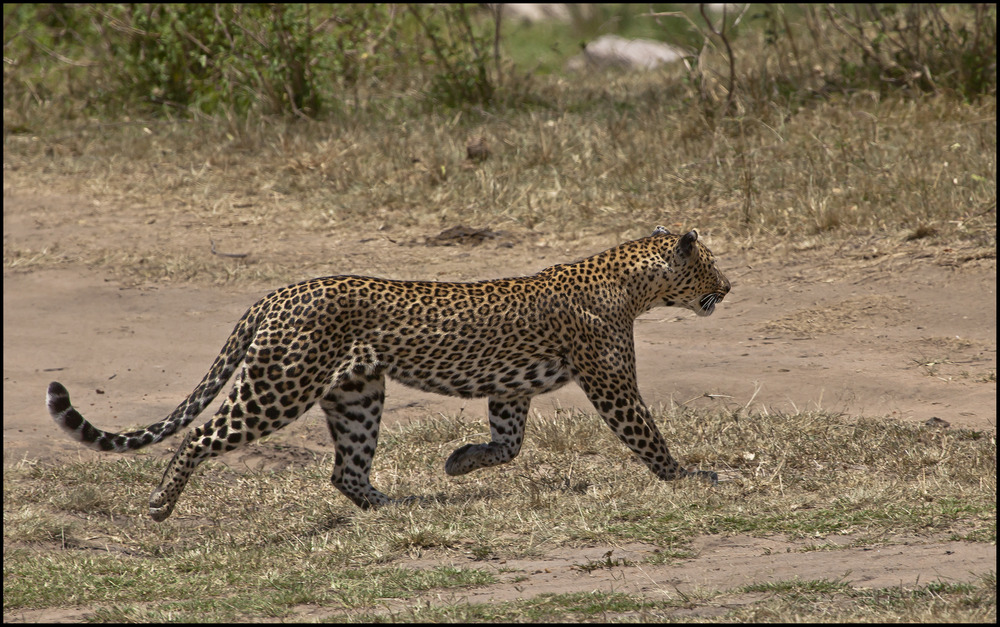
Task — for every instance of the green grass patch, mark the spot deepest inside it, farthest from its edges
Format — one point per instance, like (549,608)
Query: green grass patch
(807,601)
(570,607)
(832,601)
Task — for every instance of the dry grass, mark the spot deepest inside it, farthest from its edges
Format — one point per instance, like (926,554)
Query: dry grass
(613,156)
(78,534)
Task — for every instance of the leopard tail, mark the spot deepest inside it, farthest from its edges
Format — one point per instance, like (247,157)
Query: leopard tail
(232,354)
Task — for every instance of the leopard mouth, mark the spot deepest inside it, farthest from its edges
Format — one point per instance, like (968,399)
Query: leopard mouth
(706,304)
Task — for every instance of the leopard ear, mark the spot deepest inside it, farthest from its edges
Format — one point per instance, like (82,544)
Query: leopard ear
(686,243)
(660,230)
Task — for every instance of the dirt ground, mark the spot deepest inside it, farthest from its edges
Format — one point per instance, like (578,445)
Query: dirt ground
(906,331)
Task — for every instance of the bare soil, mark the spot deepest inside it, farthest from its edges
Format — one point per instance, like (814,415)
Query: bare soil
(901,330)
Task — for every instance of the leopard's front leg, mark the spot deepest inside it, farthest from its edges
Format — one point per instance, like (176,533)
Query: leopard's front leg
(608,378)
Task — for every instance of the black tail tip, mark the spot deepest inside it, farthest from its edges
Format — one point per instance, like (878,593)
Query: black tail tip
(57,398)
(57,389)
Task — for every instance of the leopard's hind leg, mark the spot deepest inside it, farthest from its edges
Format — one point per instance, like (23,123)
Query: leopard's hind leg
(353,413)
(507,418)
(257,406)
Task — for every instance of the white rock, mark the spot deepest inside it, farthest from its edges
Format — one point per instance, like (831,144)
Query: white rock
(615,51)
(537,12)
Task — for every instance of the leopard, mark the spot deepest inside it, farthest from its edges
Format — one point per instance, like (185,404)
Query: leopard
(333,340)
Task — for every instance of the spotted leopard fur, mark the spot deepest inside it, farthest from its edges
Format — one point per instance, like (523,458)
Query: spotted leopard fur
(334,340)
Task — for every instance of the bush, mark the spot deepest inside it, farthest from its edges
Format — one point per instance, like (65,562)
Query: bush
(916,47)
(214,56)
(922,46)
(295,59)
(811,51)
(460,55)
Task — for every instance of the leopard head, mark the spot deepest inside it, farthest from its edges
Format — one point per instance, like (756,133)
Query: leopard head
(691,279)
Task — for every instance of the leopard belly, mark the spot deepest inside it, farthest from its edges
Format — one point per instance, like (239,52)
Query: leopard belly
(502,381)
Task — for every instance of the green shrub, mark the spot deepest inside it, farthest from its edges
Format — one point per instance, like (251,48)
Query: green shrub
(294,59)
(921,46)
(214,57)
(915,47)
(460,55)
